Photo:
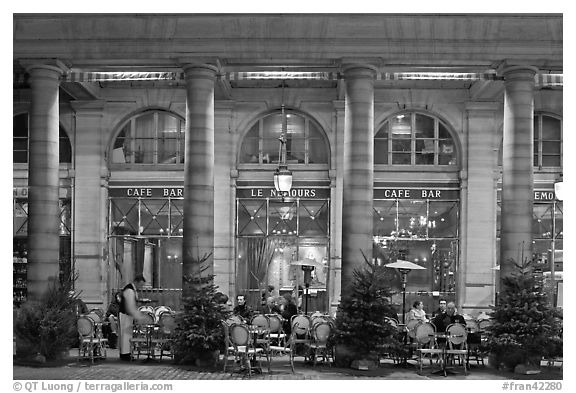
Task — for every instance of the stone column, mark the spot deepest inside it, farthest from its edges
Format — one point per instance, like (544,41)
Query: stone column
(358,169)
(43,178)
(198,236)
(89,217)
(517,167)
(475,289)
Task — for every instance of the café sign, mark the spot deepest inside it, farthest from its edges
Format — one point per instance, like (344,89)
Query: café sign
(415,193)
(146,192)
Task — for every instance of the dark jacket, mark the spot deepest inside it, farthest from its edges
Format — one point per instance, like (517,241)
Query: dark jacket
(289,310)
(441,321)
(243,310)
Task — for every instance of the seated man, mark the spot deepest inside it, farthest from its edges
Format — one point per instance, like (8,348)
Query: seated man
(242,309)
(441,321)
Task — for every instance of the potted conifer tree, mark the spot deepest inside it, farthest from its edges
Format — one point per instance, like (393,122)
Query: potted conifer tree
(361,329)
(525,327)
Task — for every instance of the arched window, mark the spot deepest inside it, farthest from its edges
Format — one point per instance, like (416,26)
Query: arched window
(20,139)
(152,137)
(547,141)
(414,139)
(305,143)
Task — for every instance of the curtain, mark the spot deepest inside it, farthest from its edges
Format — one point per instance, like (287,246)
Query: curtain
(259,255)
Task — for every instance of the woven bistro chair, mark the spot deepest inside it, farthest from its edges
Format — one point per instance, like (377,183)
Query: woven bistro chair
(456,339)
(140,341)
(425,335)
(277,335)
(167,325)
(91,343)
(318,345)
(243,347)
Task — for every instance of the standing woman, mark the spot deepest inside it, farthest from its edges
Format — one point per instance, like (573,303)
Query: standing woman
(129,312)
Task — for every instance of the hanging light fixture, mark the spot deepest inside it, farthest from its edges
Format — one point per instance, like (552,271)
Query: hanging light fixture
(282,176)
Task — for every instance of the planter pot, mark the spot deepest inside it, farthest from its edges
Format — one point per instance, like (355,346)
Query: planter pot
(207,359)
(349,357)
(344,355)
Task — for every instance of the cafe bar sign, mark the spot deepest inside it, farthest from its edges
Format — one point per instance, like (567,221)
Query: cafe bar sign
(416,193)
(146,192)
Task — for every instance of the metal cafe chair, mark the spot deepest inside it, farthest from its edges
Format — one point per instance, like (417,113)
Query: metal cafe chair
(456,339)
(91,343)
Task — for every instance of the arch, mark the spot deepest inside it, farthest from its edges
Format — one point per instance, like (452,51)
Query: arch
(307,140)
(20,140)
(416,138)
(151,136)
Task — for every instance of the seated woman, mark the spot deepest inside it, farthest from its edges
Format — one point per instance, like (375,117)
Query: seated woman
(417,312)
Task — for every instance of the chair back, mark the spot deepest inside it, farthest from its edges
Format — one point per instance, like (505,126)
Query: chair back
(391,321)
(99,312)
(148,318)
(456,334)
(146,309)
(158,311)
(300,324)
(424,333)
(411,327)
(484,323)
(261,321)
(472,326)
(94,316)
(321,332)
(275,321)
(239,335)
(167,323)
(234,319)
(85,326)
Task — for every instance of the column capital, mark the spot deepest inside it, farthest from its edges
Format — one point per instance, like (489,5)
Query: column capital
(359,70)
(56,65)
(199,71)
(517,71)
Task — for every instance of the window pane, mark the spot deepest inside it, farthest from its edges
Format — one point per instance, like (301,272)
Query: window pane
(424,159)
(412,219)
(317,148)
(401,158)
(443,219)
(144,151)
(283,218)
(65,150)
(144,140)
(551,161)
(176,216)
(542,221)
(383,132)
(402,145)
(317,151)
(250,150)
(400,126)
(381,151)
(124,216)
(251,217)
(154,217)
(384,217)
(313,218)
(424,126)
(551,129)
(443,132)
(169,133)
(121,153)
(551,148)
(295,149)
(20,126)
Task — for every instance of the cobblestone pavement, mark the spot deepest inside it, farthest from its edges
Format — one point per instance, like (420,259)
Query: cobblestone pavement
(114,369)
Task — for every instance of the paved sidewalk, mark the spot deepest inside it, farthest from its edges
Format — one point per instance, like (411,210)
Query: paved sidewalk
(114,369)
